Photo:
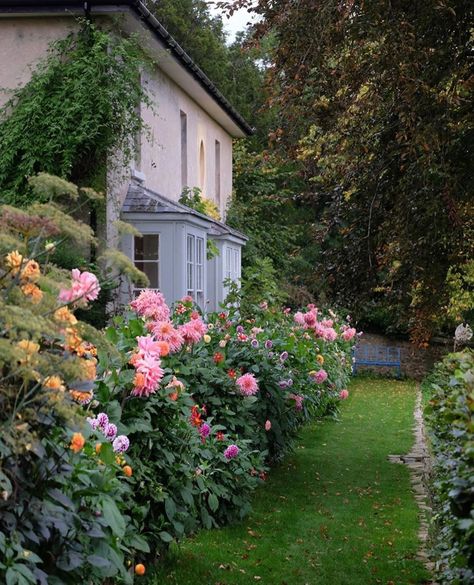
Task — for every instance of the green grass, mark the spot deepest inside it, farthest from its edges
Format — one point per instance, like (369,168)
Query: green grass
(335,513)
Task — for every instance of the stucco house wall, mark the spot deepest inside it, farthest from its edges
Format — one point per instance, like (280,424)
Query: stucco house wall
(158,160)
(23,43)
(193,153)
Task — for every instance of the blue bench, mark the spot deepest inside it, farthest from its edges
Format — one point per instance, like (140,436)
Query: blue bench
(376,355)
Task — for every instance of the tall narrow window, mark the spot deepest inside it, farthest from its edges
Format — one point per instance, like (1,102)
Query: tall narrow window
(190,246)
(202,167)
(217,170)
(184,149)
(195,268)
(232,264)
(147,257)
(200,272)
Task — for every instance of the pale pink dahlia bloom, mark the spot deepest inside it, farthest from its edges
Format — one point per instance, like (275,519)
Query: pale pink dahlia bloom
(348,333)
(247,384)
(343,394)
(148,345)
(84,287)
(151,305)
(193,331)
(299,318)
(148,376)
(164,331)
(268,425)
(320,376)
(330,334)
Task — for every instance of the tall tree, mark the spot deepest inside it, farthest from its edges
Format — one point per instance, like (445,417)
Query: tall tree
(375,99)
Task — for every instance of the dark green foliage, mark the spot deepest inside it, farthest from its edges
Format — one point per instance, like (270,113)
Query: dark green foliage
(61,512)
(450,417)
(375,101)
(181,481)
(267,207)
(80,105)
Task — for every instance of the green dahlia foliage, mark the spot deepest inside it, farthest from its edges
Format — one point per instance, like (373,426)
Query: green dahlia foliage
(115,444)
(450,416)
(208,402)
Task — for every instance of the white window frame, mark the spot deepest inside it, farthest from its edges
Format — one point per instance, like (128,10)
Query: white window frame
(195,267)
(137,290)
(232,263)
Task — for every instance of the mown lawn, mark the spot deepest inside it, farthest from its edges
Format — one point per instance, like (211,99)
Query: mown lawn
(335,513)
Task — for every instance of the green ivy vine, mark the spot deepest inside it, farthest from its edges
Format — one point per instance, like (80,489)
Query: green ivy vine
(81,104)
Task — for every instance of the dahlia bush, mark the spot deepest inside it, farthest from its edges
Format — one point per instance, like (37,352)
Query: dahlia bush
(114,444)
(210,401)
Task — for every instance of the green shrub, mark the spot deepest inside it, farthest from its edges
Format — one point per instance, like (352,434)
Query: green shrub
(177,395)
(62,519)
(201,405)
(450,418)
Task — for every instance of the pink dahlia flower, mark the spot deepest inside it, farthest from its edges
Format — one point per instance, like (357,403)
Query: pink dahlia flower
(348,334)
(151,305)
(247,384)
(148,377)
(164,331)
(329,334)
(343,394)
(84,287)
(193,331)
(298,400)
(231,452)
(268,425)
(310,318)
(320,376)
(147,345)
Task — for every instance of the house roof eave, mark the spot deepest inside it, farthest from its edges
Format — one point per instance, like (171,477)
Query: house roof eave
(149,205)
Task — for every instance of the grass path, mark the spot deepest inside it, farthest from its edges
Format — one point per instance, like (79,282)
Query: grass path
(335,513)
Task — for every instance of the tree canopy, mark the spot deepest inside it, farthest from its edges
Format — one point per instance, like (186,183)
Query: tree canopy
(374,99)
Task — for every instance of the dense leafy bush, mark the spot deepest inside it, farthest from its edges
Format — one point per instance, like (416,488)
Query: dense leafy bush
(80,105)
(207,404)
(114,445)
(450,416)
(61,516)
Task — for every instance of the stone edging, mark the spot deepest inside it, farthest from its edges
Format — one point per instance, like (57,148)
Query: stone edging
(419,463)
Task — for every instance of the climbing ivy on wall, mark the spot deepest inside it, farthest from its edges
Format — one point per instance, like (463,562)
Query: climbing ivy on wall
(81,104)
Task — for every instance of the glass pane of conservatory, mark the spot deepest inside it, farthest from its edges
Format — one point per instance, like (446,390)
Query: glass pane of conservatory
(151,270)
(147,247)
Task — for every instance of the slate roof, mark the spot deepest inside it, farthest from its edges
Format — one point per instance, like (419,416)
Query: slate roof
(139,199)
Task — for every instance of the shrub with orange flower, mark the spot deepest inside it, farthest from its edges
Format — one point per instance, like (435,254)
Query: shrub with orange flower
(33,292)
(64,315)
(54,383)
(77,442)
(13,262)
(30,271)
